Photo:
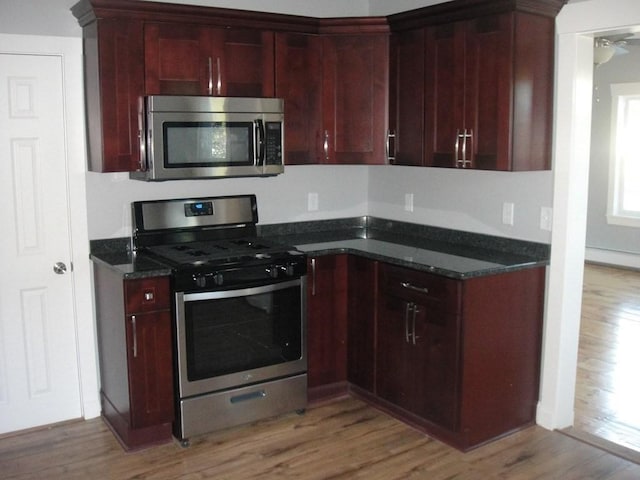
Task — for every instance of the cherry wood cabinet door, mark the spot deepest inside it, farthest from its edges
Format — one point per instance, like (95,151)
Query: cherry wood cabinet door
(394,367)
(150,357)
(488,93)
(355,98)
(113,94)
(406,98)
(298,64)
(182,59)
(327,320)
(434,356)
(361,322)
(418,347)
(444,92)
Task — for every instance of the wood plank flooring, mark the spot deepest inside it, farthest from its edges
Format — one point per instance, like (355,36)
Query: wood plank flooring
(345,439)
(608,378)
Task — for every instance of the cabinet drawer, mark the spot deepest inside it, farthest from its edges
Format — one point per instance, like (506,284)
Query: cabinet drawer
(147,295)
(420,287)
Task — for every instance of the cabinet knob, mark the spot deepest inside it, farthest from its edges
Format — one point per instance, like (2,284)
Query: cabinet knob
(149,296)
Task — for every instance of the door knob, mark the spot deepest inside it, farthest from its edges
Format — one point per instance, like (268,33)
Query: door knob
(60,268)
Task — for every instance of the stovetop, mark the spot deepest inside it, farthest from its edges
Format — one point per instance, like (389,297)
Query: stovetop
(211,243)
(218,253)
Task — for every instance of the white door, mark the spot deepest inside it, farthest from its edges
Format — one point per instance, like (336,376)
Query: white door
(39,381)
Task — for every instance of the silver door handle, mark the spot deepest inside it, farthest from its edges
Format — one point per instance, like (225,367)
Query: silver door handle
(391,155)
(60,268)
(414,288)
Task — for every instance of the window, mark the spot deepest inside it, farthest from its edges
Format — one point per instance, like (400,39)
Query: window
(624,170)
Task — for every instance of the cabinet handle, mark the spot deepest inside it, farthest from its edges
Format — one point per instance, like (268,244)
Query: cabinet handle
(456,147)
(135,336)
(407,309)
(391,157)
(313,276)
(414,288)
(461,154)
(413,324)
(467,136)
(325,145)
(210,83)
(219,77)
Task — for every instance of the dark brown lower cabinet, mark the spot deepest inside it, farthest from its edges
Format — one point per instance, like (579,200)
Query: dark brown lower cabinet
(417,346)
(361,314)
(136,357)
(326,325)
(457,359)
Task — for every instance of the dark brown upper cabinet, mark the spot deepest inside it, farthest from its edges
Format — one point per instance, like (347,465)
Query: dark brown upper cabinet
(298,64)
(355,98)
(334,86)
(184,59)
(471,81)
(481,79)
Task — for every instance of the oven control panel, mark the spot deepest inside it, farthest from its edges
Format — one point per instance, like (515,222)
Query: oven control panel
(240,277)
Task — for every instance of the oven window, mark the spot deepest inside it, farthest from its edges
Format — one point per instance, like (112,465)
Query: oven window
(208,144)
(236,334)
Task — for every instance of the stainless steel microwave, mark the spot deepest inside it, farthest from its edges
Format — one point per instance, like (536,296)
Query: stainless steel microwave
(191,137)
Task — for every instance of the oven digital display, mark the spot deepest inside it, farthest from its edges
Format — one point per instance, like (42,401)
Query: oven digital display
(197,209)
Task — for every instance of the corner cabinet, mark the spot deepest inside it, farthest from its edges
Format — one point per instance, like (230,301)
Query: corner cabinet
(136,356)
(334,86)
(483,85)
(459,359)
(355,84)
(417,351)
(326,325)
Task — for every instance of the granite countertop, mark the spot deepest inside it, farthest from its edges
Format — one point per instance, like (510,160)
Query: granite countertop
(446,252)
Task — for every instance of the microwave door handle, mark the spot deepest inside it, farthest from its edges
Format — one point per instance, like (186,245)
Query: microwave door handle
(259,151)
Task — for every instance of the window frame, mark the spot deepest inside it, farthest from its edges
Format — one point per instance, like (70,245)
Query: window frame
(621,93)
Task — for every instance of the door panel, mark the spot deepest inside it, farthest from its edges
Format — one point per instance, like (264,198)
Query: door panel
(38,357)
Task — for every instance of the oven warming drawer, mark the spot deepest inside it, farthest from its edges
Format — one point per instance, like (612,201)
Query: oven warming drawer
(215,411)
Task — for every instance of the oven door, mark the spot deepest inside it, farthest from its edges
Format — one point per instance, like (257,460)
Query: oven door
(240,337)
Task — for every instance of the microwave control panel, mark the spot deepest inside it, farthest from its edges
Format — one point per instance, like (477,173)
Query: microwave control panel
(273,142)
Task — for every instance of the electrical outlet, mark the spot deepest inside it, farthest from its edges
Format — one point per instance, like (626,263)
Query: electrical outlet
(312,202)
(546,218)
(408,202)
(507,213)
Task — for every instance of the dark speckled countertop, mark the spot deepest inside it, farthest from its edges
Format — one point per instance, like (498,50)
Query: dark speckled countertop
(451,253)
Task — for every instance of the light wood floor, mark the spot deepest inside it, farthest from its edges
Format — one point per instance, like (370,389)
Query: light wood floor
(341,440)
(608,377)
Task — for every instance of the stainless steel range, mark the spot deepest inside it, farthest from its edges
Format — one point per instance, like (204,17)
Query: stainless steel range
(239,308)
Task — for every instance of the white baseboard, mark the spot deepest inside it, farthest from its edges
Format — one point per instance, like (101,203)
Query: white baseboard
(611,257)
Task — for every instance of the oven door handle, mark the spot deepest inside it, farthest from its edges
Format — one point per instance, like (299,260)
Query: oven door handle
(243,292)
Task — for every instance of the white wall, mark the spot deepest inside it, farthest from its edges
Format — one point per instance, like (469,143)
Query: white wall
(342,192)
(463,199)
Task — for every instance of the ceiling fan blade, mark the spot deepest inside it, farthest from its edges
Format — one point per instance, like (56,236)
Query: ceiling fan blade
(633,41)
(620,50)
